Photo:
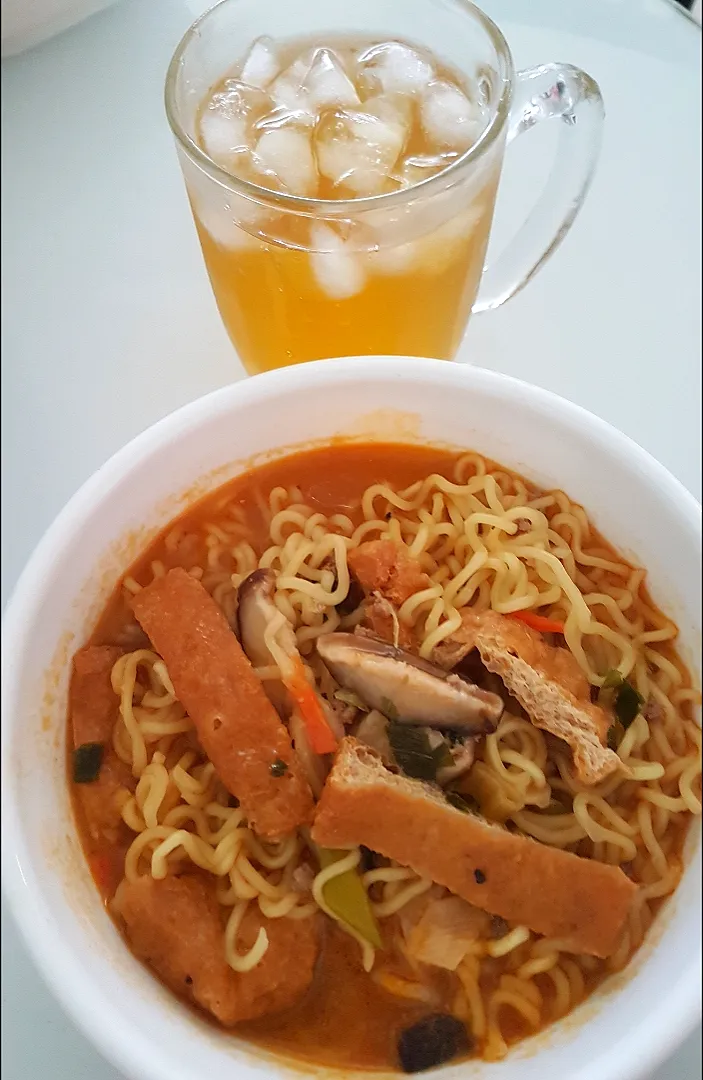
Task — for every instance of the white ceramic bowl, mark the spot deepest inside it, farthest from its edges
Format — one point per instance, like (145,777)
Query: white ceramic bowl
(631,1023)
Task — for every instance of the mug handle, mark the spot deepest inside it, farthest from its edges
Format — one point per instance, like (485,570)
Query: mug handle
(547,92)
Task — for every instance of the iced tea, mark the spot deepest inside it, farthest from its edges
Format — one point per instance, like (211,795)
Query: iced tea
(328,122)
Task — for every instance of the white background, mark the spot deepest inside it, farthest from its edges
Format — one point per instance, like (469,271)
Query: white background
(109,323)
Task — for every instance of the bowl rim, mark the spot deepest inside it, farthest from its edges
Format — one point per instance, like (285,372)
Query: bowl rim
(640,1049)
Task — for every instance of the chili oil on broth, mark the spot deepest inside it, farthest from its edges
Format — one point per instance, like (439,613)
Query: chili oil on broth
(504,993)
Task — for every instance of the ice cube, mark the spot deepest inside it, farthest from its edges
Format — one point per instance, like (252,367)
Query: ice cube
(230,219)
(394,260)
(288,93)
(238,100)
(418,167)
(262,64)
(222,224)
(282,118)
(327,84)
(226,124)
(357,149)
(338,271)
(285,154)
(397,67)
(393,108)
(450,242)
(447,116)
(222,136)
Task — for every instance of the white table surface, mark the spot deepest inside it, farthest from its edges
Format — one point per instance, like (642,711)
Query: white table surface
(109,323)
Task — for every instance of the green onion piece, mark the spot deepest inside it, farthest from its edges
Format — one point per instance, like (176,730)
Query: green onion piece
(627,704)
(619,695)
(348,697)
(612,679)
(616,732)
(347,898)
(442,756)
(412,751)
(87,760)
(461,802)
(388,709)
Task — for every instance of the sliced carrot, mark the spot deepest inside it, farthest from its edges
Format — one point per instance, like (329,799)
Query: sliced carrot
(320,735)
(538,622)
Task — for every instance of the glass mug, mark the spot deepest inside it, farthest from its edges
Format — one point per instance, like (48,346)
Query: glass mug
(299,279)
